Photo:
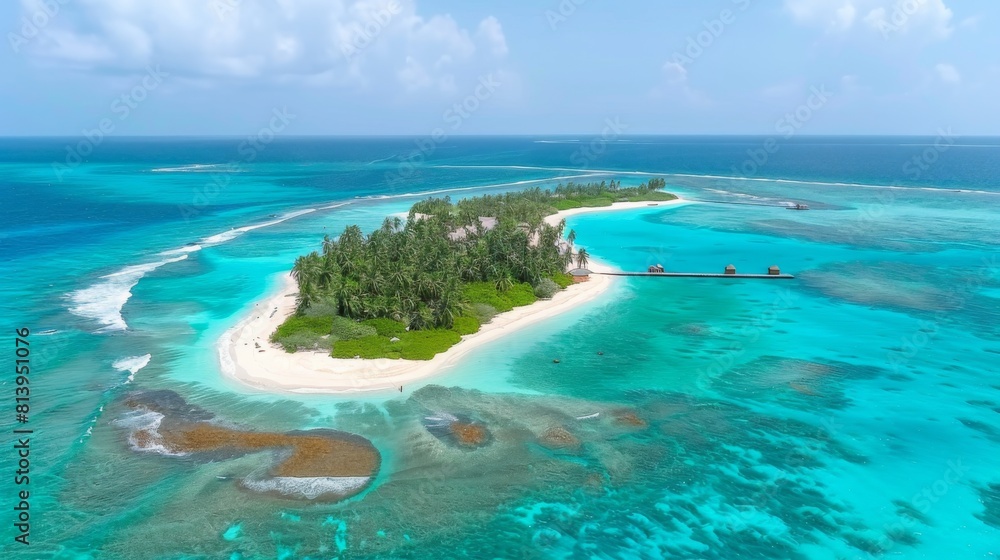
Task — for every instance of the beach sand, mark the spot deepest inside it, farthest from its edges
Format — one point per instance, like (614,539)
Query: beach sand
(247,355)
(555,218)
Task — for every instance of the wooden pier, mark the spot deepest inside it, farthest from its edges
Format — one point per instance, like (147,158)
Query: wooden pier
(699,275)
(656,270)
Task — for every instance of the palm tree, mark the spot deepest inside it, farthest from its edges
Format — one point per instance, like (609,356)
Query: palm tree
(582,258)
(307,295)
(307,269)
(298,269)
(504,283)
(328,272)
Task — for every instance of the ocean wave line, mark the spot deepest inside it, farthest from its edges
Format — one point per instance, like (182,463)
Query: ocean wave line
(459,189)
(193,168)
(104,301)
(728,177)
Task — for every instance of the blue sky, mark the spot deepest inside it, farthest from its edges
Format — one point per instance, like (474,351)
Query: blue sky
(345,67)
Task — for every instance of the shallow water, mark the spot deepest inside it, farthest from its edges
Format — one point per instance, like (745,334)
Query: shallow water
(849,413)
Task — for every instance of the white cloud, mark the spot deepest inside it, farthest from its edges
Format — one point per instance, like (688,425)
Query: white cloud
(365,42)
(972,21)
(925,18)
(947,73)
(675,86)
(413,76)
(835,15)
(492,33)
(845,16)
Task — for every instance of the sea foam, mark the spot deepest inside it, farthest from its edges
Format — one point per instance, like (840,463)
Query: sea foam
(193,168)
(132,365)
(104,301)
(236,232)
(309,487)
(148,422)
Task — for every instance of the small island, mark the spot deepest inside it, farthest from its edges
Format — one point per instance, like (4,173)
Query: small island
(371,312)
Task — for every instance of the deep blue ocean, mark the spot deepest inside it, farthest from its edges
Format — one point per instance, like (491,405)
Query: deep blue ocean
(853,412)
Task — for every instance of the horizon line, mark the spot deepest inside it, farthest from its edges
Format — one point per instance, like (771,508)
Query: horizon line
(503,135)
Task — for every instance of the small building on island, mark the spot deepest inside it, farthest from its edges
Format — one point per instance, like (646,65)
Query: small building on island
(487,223)
(730,269)
(656,269)
(580,275)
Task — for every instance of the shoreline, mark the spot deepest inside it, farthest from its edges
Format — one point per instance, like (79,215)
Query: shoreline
(247,356)
(618,206)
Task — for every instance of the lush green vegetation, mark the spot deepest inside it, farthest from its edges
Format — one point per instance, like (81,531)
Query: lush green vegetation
(595,195)
(562,279)
(412,288)
(412,345)
(546,289)
(303,332)
(500,300)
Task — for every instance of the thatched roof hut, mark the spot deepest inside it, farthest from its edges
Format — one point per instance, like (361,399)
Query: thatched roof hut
(580,275)
(461,233)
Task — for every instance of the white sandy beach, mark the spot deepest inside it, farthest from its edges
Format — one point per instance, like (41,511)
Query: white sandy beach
(618,206)
(249,357)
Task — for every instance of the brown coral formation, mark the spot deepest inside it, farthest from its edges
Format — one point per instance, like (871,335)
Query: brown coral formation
(468,434)
(629,418)
(559,438)
(801,388)
(311,456)
(143,438)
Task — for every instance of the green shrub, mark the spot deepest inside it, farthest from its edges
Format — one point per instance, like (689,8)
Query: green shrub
(465,325)
(386,327)
(299,324)
(565,204)
(652,196)
(302,332)
(483,312)
(369,348)
(424,345)
(562,280)
(520,294)
(412,345)
(596,201)
(347,329)
(321,309)
(305,341)
(546,288)
(486,293)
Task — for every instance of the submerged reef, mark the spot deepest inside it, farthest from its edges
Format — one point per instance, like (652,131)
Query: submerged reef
(314,464)
(990,496)
(559,438)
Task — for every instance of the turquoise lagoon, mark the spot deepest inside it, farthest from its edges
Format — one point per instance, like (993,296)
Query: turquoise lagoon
(853,412)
